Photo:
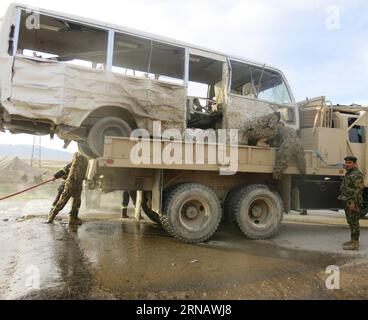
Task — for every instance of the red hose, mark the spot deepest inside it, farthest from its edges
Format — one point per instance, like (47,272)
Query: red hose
(31,188)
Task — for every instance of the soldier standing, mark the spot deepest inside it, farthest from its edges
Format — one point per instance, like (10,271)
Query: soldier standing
(260,130)
(74,175)
(289,146)
(352,194)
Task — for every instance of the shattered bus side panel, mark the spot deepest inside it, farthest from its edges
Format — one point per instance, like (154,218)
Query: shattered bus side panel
(67,94)
(241,110)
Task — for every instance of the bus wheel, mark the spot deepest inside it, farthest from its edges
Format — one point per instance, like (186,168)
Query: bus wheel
(84,149)
(258,212)
(111,126)
(192,213)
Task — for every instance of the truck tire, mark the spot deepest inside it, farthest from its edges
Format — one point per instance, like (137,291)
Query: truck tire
(84,149)
(258,212)
(229,204)
(110,126)
(192,213)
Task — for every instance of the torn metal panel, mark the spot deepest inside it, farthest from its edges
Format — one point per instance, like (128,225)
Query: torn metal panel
(67,94)
(240,111)
(5,76)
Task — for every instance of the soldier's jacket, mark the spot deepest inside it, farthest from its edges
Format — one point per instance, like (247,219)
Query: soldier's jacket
(264,127)
(352,186)
(74,173)
(78,169)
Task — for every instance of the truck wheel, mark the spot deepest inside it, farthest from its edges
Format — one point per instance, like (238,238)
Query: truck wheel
(105,127)
(192,213)
(229,203)
(258,212)
(84,149)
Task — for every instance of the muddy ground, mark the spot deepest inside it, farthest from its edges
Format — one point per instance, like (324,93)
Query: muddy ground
(107,258)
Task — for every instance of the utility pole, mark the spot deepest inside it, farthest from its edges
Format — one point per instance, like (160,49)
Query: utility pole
(39,151)
(33,147)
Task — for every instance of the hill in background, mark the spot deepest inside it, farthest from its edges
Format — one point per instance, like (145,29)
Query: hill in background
(25,152)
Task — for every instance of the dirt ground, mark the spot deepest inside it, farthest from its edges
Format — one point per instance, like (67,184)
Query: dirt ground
(110,258)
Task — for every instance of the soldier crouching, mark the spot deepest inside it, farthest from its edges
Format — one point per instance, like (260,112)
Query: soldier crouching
(260,130)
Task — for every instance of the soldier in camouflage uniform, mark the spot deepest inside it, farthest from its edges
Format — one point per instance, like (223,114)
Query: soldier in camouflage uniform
(61,174)
(74,174)
(352,194)
(260,130)
(289,146)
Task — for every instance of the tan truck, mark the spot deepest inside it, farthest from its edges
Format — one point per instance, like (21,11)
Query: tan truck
(190,200)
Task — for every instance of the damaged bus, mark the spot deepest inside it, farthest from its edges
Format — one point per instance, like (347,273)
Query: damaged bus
(83,80)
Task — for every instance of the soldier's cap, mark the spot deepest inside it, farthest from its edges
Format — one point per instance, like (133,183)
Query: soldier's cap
(351,158)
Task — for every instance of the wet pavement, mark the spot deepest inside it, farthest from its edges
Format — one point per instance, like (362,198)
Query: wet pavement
(107,258)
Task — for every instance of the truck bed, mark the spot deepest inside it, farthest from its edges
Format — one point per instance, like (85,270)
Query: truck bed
(117,154)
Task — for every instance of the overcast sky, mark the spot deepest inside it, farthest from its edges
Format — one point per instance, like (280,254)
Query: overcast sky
(320,45)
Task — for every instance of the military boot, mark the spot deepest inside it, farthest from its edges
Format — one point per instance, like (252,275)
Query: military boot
(347,243)
(74,221)
(353,246)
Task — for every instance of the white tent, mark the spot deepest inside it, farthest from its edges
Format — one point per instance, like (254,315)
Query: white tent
(12,169)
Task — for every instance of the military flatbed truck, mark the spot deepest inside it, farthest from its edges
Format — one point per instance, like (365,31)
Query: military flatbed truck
(190,200)
(84,80)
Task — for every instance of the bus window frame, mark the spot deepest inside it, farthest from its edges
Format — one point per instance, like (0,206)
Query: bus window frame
(229,60)
(19,11)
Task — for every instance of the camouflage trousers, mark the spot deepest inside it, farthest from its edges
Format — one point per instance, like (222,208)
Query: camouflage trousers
(65,192)
(352,218)
(287,151)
